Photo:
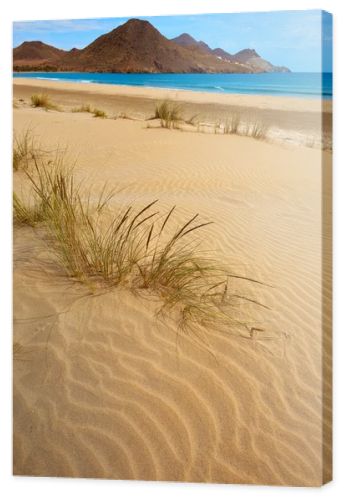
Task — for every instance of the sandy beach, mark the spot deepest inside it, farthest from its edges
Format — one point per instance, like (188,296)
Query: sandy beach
(291,120)
(103,387)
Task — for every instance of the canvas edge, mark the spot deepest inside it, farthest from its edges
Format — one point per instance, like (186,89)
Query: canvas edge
(327,283)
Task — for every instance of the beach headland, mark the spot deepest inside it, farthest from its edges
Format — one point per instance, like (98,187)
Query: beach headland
(104,387)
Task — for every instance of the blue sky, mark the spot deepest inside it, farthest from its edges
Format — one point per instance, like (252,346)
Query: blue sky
(289,38)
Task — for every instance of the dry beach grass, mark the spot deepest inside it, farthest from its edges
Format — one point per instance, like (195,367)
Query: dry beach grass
(43,101)
(131,246)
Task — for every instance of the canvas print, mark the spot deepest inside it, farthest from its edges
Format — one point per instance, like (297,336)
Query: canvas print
(172,248)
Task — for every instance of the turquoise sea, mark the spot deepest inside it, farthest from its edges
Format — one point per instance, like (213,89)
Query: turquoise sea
(314,85)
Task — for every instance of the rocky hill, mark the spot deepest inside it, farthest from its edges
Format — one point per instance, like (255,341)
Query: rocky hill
(247,58)
(137,47)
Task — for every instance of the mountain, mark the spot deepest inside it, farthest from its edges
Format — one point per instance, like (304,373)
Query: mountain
(36,53)
(223,54)
(134,47)
(248,58)
(185,40)
(251,58)
(138,47)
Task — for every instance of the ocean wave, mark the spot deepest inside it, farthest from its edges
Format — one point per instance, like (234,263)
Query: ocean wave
(47,78)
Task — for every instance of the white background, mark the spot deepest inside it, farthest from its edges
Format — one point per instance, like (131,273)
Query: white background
(32,488)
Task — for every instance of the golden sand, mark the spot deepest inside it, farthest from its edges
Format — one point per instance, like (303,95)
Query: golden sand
(102,388)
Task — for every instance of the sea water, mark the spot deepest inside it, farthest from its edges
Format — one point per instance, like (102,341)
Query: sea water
(313,85)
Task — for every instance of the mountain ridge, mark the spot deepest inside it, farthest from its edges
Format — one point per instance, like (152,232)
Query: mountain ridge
(248,57)
(138,47)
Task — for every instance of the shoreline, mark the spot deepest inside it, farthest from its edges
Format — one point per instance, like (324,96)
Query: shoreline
(82,81)
(261,101)
(288,120)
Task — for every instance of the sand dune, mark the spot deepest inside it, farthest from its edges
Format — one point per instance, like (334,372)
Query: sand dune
(104,389)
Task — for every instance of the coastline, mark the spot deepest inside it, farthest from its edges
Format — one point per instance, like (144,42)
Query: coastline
(289,120)
(260,101)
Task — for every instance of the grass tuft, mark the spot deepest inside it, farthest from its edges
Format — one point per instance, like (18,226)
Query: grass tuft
(85,108)
(24,150)
(139,248)
(99,113)
(193,119)
(169,114)
(257,130)
(26,213)
(232,126)
(43,101)
(123,115)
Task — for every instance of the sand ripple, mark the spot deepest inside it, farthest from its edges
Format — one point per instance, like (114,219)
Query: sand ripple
(102,389)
